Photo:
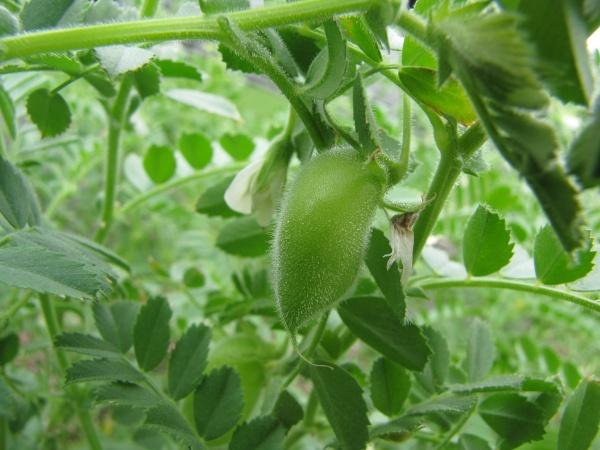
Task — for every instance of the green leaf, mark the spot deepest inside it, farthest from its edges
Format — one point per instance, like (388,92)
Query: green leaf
(147,80)
(486,243)
(397,430)
(504,384)
(364,121)
(447,404)
(238,146)
(120,59)
(28,265)
(496,68)
(481,351)
(287,410)
(584,153)
(372,320)
(160,163)
(243,237)
(357,31)
(167,419)
(7,402)
(323,80)
(341,399)
(115,322)
(62,62)
(100,81)
(177,69)
(18,202)
(559,37)
(472,442)
(514,418)
(49,112)
(193,278)
(151,333)
(9,348)
(7,109)
(436,370)
(262,433)
(390,385)
(9,24)
(86,345)
(378,17)
(40,14)
(196,149)
(203,101)
(102,370)
(188,361)
(581,418)
(553,265)
(218,403)
(212,201)
(447,100)
(388,281)
(221,6)
(125,394)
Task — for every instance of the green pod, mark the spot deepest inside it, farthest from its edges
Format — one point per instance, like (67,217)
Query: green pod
(322,233)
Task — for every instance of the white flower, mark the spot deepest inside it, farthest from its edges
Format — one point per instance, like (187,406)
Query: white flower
(402,241)
(238,195)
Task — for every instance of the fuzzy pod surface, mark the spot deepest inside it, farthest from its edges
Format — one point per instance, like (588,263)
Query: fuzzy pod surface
(322,234)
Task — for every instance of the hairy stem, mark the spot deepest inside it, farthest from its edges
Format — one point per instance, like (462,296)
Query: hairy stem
(54,329)
(512,285)
(455,429)
(111,170)
(173,28)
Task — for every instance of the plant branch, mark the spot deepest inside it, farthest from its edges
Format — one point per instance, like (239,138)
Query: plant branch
(173,28)
(500,283)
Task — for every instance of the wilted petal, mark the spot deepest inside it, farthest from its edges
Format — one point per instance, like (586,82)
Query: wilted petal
(238,195)
(402,242)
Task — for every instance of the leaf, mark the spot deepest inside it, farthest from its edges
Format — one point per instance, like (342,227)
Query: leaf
(160,163)
(372,320)
(514,418)
(364,121)
(221,6)
(325,79)
(177,69)
(28,265)
(115,322)
(212,201)
(9,24)
(388,281)
(9,348)
(193,278)
(86,345)
(357,30)
(397,430)
(447,404)
(125,394)
(40,14)
(287,410)
(390,385)
(7,402)
(472,442)
(447,100)
(18,202)
(559,37)
(166,418)
(553,265)
(49,112)
(486,243)
(196,149)
(151,333)
(243,237)
(120,59)
(102,370)
(218,403)
(581,418)
(496,68)
(341,399)
(584,154)
(238,146)
(262,433)
(7,109)
(436,370)
(503,384)
(481,351)
(62,62)
(188,361)
(147,80)
(203,101)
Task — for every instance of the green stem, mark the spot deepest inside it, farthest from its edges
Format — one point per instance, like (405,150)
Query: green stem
(500,283)
(174,184)
(149,8)
(173,28)
(413,25)
(116,120)
(54,329)
(455,429)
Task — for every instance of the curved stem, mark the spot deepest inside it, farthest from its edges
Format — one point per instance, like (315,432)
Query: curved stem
(172,28)
(500,283)
(116,119)
(455,429)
